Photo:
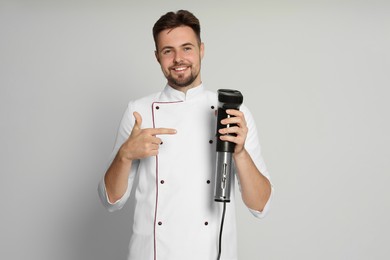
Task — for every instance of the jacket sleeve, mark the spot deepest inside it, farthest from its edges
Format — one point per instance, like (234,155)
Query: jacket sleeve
(252,145)
(124,131)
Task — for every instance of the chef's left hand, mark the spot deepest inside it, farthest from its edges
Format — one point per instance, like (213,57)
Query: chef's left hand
(240,129)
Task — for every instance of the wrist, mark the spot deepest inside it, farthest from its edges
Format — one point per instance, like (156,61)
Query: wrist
(240,154)
(124,156)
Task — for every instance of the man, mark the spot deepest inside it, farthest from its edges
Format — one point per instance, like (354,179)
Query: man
(165,153)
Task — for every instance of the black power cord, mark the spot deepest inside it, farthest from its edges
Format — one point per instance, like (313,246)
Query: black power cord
(220,232)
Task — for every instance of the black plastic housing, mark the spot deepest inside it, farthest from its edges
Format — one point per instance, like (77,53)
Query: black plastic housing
(228,99)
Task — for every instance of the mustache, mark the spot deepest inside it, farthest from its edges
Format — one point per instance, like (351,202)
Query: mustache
(180,64)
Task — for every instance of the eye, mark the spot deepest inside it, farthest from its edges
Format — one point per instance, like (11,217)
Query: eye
(187,49)
(166,52)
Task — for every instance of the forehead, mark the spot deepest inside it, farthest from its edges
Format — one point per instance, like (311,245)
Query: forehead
(176,37)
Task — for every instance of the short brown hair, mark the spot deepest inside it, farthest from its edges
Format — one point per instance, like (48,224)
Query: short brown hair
(173,20)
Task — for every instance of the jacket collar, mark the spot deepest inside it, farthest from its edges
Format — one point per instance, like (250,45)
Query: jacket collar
(171,94)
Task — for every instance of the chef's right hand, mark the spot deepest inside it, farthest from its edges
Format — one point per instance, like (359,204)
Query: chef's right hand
(143,143)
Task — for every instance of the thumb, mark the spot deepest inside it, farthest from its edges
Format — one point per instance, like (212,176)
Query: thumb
(138,120)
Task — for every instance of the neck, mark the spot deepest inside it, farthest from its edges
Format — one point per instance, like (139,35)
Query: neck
(186,88)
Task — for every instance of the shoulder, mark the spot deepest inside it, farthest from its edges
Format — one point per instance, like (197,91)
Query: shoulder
(211,95)
(143,102)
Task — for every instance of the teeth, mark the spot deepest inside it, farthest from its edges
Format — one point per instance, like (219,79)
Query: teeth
(180,69)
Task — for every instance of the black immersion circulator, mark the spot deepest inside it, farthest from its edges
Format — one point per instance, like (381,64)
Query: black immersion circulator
(227,99)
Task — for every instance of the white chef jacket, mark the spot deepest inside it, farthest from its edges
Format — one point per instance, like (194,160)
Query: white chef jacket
(175,215)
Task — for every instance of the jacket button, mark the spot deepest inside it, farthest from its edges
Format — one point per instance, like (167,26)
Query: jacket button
(212,107)
(211,141)
(162,181)
(206,223)
(159,223)
(208,181)
(157,107)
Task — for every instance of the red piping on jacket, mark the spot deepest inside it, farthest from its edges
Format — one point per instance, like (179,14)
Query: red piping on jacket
(155,209)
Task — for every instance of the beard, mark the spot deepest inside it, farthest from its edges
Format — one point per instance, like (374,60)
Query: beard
(181,81)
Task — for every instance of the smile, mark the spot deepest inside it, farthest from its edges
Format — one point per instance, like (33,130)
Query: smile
(180,69)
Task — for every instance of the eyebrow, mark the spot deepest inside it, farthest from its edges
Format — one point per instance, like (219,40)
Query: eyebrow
(188,43)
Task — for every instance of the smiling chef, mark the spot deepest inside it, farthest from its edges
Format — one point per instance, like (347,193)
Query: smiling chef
(164,158)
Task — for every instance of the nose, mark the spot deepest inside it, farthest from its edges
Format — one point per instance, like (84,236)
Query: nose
(178,57)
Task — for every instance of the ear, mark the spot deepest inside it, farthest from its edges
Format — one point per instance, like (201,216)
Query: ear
(156,55)
(201,50)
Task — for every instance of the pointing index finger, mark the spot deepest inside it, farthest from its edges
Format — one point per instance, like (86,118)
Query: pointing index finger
(163,131)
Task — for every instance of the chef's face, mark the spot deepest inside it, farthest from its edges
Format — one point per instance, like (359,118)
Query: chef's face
(179,54)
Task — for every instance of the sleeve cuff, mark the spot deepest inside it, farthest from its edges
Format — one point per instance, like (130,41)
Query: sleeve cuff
(111,206)
(262,214)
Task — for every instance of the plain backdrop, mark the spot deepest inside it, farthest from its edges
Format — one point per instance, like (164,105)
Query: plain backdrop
(315,74)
